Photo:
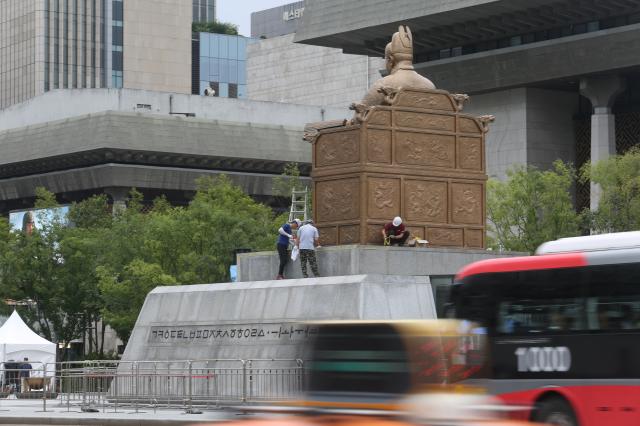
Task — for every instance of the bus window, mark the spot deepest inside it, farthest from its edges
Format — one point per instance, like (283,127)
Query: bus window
(540,316)
(613,313)
(614,297)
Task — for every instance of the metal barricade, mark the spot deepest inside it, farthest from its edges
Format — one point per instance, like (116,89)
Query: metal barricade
(189,384)
(274,379)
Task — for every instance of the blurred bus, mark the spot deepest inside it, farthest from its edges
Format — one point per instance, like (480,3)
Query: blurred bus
(393,373)
(563,327)
(375,365)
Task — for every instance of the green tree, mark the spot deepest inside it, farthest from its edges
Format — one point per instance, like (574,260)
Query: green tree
(215,27)
(82,247)
(35,271)
(185,245)
(125,293)
(531,207)
(289,181)
(619,178)
(104,265)
(220,219)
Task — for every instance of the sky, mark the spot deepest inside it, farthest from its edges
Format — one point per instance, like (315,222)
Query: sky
(239,11)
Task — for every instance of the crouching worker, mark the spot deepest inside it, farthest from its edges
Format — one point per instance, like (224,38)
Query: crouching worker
(394,232)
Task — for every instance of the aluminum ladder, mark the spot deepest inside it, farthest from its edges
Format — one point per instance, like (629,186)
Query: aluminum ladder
(299,205)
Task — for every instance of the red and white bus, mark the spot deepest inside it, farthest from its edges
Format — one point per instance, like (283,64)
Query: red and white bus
(563,326)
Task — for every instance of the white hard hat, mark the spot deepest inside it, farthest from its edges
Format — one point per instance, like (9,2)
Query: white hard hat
(397,221)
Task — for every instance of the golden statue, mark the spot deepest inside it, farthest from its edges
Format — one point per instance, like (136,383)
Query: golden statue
(398,57)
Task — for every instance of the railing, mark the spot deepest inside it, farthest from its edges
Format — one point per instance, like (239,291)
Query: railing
(189,384)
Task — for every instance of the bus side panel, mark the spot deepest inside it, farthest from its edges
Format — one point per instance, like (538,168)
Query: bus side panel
(593,405)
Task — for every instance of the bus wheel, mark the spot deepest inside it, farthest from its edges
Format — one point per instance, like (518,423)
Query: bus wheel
(555,411)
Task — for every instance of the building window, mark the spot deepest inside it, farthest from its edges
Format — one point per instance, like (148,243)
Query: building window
(233,90)
(116,58)
(593,26)
(117,43)
(117,36)
(117,80)
(224,90)
(118,11)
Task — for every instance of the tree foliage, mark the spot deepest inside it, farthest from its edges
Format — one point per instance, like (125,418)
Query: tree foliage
(104,265)
(290,180)
(124,293)
(531,207)
(215,27)
(619,178)
(39,269)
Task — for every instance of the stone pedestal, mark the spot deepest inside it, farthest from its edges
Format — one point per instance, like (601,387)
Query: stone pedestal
(419,158)
(368,259)
(254,320)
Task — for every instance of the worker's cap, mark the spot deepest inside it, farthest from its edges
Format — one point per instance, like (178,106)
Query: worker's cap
(296,221)
(397,221)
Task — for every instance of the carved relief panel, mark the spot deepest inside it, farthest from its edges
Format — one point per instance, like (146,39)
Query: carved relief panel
(445,236)
(328,235)
(438,101)
(425,201)
(468,125)
(425,149)
(383,198)
(470,153)
(337,200)
(349,234)
(374,234)
(379,118)
(473,238)
(379,146)
(421,120)
(466,203)
(337,148)
(416,231)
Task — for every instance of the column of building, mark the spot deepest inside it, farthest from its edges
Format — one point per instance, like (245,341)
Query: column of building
(602,91)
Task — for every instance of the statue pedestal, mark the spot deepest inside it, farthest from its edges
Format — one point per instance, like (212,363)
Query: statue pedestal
(358,282)
(419,158)
(253,320)
(368,259)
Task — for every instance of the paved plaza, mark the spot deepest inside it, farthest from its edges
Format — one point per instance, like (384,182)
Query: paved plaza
(56,412)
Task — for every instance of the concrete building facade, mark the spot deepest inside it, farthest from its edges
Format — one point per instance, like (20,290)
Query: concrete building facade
(280,70)
(157,45)
(561,76)
(77,143)
(64,44)
(277,21)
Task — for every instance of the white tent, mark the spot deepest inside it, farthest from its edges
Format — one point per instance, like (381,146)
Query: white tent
(18,341)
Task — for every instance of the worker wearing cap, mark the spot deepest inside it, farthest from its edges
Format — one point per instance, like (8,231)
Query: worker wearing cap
(285,235)
(394,232)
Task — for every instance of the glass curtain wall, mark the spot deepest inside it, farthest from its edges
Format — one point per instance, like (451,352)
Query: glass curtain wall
(223,68)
